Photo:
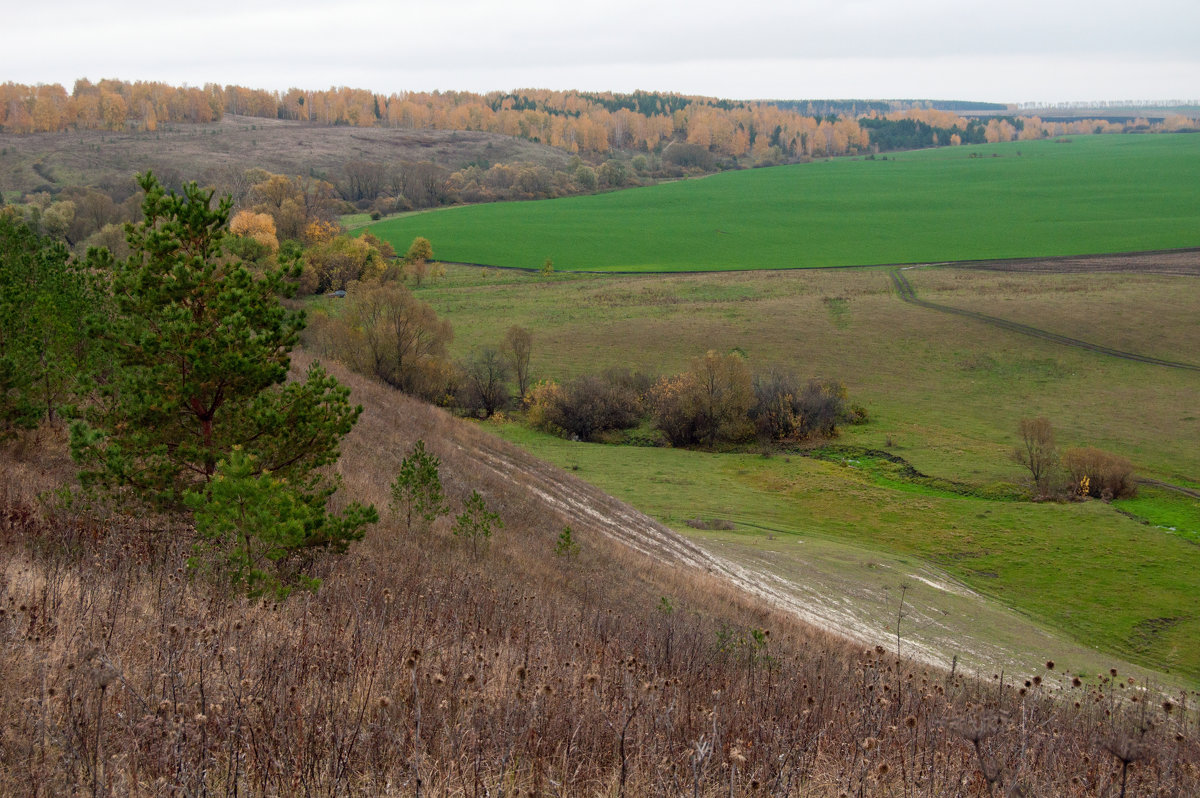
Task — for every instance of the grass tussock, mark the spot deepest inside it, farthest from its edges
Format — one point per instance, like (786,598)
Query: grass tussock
(419,669)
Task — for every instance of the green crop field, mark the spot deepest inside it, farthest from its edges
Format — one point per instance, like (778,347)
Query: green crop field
(1090,194)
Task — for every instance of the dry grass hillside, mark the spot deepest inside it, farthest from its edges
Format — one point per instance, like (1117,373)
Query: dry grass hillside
(420,669)
(218,152)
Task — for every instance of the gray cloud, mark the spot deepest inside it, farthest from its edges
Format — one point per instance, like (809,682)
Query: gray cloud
(1017,50)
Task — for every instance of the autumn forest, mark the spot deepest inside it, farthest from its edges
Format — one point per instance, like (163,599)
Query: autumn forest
(578,122)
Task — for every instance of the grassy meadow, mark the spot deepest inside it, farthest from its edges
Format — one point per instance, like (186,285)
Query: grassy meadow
(1087,194)
(943,392)
(1070,566)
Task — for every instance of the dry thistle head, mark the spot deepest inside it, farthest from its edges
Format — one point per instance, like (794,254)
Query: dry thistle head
(977,727)
(104,674)
(1125,748)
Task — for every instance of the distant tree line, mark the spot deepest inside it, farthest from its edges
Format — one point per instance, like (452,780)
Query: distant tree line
(588,123)
(913,134)
(917,128)
(577,122)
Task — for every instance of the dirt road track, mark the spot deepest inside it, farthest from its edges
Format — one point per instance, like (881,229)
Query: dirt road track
(908,294)
(1175,262)
(586,507)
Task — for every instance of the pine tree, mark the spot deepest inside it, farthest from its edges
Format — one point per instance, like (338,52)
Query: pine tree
(417,489)
(198,349)
(44,297)
(476,522)
(257,533)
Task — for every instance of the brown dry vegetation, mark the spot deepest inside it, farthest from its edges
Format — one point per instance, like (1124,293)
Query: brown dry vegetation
(215,153)
(419,670)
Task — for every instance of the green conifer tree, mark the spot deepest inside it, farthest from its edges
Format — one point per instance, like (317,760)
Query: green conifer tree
(198,350)
(417,489)
(476,522)
(45,296)
(258,534)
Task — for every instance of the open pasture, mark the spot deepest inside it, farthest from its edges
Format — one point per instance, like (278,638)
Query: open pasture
(947,391)
(1088,194)
(942,391)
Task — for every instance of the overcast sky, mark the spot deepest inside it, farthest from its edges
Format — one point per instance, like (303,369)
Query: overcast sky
(1003,51)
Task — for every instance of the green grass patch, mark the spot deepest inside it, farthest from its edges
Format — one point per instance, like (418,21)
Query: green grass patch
(353,221)
(1168,511)
(1022,199)
(894,472)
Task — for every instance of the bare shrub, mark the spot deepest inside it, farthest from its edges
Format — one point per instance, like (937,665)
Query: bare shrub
(392,335)
(517,349)
(707,404)
(1099,474)
(787,408)
(712,523)
(483,386)
(589,406)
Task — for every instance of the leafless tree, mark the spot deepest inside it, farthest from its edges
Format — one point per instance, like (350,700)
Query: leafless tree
(517,348)
(1037,451)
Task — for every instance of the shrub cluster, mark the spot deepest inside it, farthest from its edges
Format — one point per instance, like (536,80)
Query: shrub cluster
(1099,474)
(716,401)
(1079,472)
(589,406)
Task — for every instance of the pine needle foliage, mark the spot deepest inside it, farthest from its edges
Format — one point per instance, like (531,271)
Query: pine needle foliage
(198,351)
(417,489)
(476,522)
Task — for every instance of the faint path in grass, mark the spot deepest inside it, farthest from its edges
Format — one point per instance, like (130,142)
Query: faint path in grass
(908,294)
(1168,262)
(1195,494)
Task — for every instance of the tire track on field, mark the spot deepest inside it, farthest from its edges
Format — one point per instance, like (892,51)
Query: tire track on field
(1195,494)
(909,295)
